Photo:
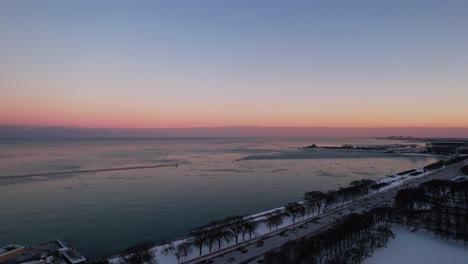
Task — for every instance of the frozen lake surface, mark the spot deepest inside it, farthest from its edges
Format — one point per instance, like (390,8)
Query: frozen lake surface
(102,213)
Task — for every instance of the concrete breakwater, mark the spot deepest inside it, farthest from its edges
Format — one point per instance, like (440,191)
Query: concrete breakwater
(87,171)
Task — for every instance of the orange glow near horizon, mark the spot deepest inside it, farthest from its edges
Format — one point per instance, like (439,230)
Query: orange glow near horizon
(343,67)
(117,110)
(94,118)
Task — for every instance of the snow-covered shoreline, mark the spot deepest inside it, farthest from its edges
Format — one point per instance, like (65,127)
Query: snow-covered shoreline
(165,256)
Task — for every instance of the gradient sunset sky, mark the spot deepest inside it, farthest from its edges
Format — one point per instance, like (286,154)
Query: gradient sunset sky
(157,64)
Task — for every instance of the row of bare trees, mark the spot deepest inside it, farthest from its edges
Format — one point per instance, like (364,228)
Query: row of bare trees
(140,253)
(441,163)
(439,206)
(230,228)
(349,241)
(318,202)
(211,235)
(235,228)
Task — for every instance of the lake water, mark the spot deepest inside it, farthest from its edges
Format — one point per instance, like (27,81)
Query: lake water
(102,213)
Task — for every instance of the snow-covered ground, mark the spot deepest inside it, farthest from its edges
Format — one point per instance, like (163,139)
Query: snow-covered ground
(419,247)
(262,229)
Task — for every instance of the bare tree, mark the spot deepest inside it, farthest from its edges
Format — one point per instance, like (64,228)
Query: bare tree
(220,233)
(295,209)
(140,253)
(314,201)
(235,228)
(182,251)
(274,220)
(210,238)
(250,226)
(199,238)
(269,222)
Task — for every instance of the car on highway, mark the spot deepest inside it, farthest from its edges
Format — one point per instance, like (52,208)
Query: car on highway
(283,234)
(260,243)
(232,259)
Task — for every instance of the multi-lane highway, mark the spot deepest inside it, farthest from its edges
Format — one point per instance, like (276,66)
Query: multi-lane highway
(252,251)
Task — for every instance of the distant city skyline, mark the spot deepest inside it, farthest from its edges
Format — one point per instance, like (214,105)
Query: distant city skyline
(193,64)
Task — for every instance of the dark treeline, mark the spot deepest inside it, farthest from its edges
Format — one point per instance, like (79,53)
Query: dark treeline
(439,206)
(406,172)
(214,233)
(239,228)
(139,254)
(441,163)
(377,186)
(212,236)
(317,202)
(350,240)
(416,173)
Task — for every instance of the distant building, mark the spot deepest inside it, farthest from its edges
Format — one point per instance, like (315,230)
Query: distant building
(72,256)
(50,252)
(445,148)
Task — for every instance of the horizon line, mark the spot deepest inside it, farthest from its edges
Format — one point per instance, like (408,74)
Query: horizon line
(215,127)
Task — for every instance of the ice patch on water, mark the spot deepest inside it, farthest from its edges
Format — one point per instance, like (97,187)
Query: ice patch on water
(278,170)
(363,173)
(322,173)
(230,170)
(316,154)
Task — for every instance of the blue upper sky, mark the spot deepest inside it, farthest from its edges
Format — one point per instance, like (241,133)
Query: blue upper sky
(210,63)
